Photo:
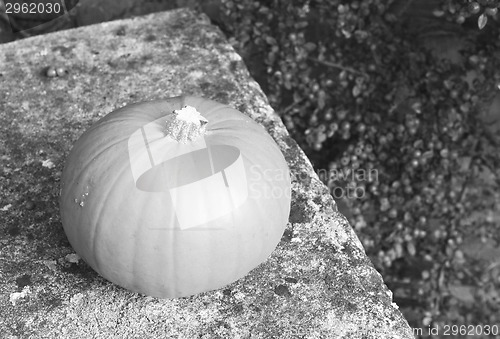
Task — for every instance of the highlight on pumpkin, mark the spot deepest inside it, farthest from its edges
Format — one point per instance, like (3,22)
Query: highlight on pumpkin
(185,124)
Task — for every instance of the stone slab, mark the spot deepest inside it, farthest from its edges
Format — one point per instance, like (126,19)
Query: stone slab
(318,283)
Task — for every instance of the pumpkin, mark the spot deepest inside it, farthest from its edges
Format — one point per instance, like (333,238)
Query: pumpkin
(175,197)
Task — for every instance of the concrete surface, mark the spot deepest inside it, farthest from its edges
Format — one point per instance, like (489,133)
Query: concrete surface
(318,283)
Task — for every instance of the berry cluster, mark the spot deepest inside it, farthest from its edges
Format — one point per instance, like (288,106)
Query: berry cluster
(461,11)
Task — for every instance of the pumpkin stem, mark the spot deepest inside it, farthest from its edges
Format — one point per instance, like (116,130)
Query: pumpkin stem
(186,124)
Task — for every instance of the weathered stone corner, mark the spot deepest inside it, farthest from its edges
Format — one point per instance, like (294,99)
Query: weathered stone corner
(318,283)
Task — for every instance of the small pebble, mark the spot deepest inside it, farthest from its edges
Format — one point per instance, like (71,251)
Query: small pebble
(48,163)
(16,296)
(51,72)
(61,71)
(72,258)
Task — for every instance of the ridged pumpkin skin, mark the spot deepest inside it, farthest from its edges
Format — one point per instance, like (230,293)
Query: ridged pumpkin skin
(131,225)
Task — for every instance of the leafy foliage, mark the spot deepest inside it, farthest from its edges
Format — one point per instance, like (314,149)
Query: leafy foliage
(359,93)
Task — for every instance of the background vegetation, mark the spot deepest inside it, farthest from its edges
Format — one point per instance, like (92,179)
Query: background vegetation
(403,88)
(408,89)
